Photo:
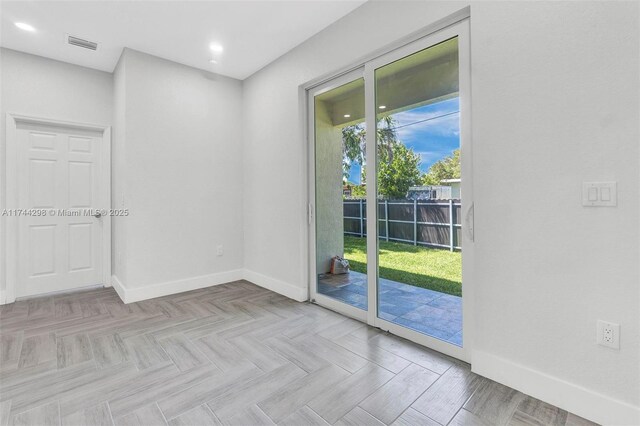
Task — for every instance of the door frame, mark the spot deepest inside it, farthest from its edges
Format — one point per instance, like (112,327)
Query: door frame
(461,31)
(10,243)
(455,25)
(332,304)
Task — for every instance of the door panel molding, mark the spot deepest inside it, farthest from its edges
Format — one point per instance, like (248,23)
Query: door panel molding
(9,244)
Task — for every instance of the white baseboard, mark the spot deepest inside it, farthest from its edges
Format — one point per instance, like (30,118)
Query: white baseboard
(136,294)
(291,291)
(583,402)
(3,297)
(119,288)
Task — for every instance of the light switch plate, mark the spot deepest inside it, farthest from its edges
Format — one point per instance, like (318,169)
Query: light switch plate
(599,194)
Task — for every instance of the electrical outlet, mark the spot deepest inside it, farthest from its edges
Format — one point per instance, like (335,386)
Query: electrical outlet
(220,251)
(608,334)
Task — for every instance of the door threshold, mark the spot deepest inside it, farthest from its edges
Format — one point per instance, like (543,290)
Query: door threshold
(61,292)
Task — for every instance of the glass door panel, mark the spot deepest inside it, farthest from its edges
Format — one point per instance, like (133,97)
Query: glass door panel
(340,195)
(417,107)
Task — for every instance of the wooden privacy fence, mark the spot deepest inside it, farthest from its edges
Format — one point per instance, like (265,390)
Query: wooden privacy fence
(426,223)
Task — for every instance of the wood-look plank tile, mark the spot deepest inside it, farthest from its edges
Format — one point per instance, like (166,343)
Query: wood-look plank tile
(218,326)
(427,358)
(244,395)
(544,413)
(67,308)
(145,351)
(40,307)
(446,396)
(334,403)
(573,420)
(97,415)
(373,353)
(77,392)
(68,326)
(341,329)
(108,350)
(92,308)
(10,347)
(29,382)
(494,403)
(292,351)
(465,418)
(258,353)
(223,354)
(38,349)
(233,353)
(5,412)
(365,333)
(181,328)
(358,417)
(249,416)
(44,415)
(296,395)
(166,382)
(149,415)
(199,416)
(178,403)
(521,419)
(73,350)
(184,354)
(304,416)
(412,417)
(395,396)
(333,353)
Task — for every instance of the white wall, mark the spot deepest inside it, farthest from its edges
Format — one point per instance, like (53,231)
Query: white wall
(329,209)
(39,87)
(178,169)
(555,103)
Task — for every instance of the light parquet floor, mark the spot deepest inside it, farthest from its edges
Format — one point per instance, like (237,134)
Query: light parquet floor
(234,354)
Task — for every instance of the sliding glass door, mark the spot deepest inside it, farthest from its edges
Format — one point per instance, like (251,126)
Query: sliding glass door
(338,132)
(391,191)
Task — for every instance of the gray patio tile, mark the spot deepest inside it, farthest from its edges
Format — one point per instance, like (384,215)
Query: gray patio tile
(349,297)
(426,329)
(442,315)
(423,298)
(324,288)
(356,289)
(397,310)
(456,339)
(386,316)
(448,302)
(430,312)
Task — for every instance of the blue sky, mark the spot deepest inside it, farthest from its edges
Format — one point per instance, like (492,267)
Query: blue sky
(433,139)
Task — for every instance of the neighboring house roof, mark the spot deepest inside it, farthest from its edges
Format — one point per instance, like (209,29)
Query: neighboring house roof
(450,180)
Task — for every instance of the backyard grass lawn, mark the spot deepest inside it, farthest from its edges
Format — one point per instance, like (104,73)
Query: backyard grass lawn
(435,269)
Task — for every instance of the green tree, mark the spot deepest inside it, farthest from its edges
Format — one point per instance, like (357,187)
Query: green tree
(447,168)
(354,146)
(398,171)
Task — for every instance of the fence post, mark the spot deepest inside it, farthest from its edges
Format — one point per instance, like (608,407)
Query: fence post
(415,222)
(451,224)
(386,219)
(361,221)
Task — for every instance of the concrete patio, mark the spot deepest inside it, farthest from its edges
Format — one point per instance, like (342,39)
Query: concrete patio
(436,314)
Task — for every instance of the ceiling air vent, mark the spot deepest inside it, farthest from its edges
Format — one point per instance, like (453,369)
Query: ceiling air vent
(86,44)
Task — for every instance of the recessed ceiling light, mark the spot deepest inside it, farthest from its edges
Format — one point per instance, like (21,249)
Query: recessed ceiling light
(382,107)
(347,115)
(215,47)
(25,27)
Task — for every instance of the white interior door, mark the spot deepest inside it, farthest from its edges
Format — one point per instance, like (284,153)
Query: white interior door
(59,234)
